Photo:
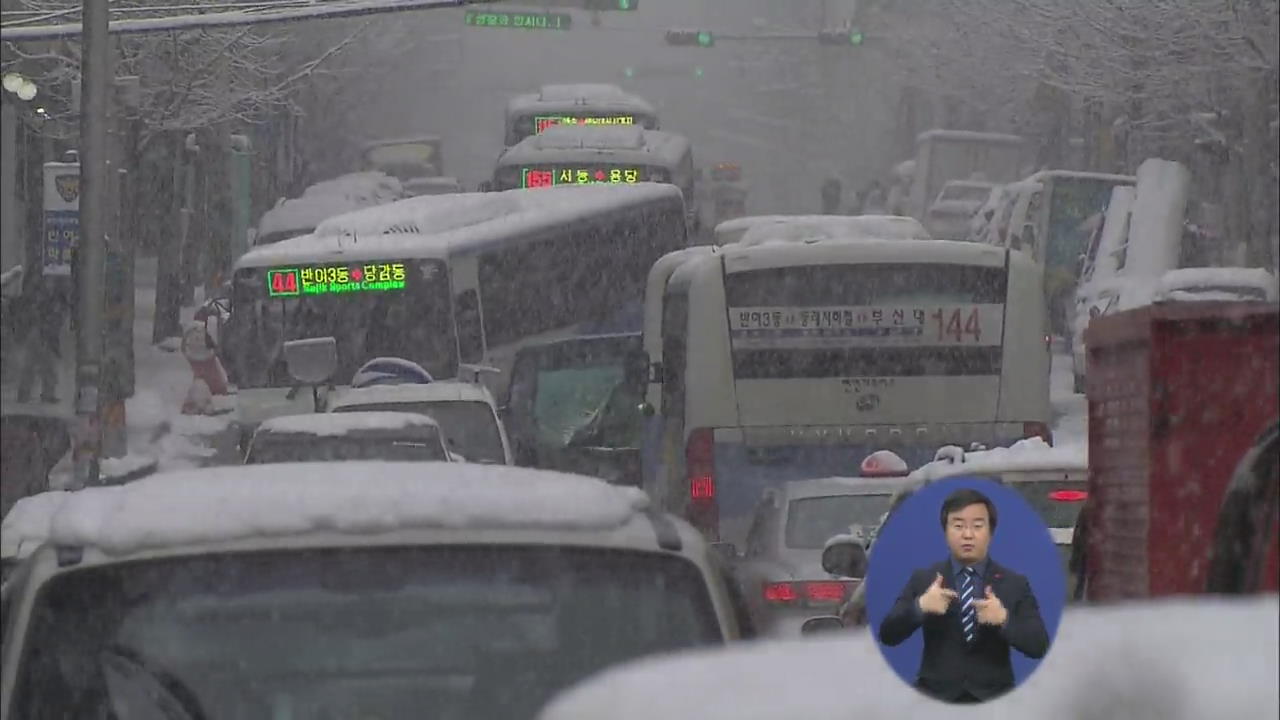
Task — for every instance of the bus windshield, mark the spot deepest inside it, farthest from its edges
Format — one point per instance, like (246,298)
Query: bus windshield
(1073,202)
(866,320)
(410,318)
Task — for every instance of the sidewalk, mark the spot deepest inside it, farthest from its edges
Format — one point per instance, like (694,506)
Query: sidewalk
(159,436)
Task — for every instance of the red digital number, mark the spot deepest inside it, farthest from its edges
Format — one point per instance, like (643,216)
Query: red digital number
(539,178)
(973,326)
(954,325)
(277,282)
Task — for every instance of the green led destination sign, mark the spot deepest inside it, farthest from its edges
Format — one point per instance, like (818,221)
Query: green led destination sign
(336,279)
(520,20)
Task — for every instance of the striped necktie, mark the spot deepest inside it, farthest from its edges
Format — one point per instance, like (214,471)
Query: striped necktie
(968,615)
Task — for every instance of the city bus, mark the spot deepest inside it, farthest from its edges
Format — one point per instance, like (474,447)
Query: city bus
(790,361)
(574,155)
(455,283)
(576,104)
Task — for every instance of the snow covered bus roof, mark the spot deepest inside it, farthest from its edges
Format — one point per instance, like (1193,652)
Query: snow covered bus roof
(578,97)
(369,144)
(228,504)
(305,213)
(1030,454)
(969,136)
(739,258)
(435,226)
(585,143)
(810,227)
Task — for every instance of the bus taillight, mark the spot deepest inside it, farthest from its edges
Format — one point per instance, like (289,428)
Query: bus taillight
(700,466)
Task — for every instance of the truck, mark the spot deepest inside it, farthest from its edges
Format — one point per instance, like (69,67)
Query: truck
(1180,397)
(943,155)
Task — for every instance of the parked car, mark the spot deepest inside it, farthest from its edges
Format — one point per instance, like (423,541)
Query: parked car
(361,589)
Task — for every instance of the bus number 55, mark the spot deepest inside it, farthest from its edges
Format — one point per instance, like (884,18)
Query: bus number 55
(955,325)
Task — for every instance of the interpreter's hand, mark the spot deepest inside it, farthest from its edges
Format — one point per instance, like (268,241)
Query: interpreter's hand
(936,599)
(990,610)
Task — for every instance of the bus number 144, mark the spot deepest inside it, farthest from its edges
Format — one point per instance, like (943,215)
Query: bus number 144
(955,325)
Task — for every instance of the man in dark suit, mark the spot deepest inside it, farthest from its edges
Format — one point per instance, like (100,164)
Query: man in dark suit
(971,608)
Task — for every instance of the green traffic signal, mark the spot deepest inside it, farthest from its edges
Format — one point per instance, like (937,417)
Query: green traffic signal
(705,38)
(855,37)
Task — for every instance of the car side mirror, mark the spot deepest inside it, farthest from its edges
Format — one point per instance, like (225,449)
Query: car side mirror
(821,624)
(845,559)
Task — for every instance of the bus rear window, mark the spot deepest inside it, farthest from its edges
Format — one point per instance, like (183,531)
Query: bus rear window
(882,319)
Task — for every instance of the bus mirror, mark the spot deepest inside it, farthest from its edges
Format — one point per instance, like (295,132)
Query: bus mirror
(311,361)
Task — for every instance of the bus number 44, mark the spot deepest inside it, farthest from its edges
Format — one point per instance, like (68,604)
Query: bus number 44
(955,325)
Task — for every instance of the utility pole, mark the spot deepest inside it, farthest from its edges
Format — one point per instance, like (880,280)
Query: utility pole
(95,82)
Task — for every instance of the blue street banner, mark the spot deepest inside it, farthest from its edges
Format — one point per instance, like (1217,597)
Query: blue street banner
(61,217)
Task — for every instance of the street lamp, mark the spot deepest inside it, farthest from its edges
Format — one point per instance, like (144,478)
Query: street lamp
(19,85)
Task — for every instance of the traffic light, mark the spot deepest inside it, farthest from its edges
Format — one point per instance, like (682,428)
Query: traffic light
(701,38)
(607,5)
(851,36)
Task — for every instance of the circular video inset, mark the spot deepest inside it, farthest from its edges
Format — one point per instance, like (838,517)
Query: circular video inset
(965,589)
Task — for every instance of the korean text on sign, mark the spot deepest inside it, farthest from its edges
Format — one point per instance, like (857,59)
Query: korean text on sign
(867,325)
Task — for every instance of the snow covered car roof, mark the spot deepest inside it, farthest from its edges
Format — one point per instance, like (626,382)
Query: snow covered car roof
(438,391)
(269,504)
(576,98)
(26,525)
(326,425)
(1030,454)
(1114,662)
(822,487)
(436,225)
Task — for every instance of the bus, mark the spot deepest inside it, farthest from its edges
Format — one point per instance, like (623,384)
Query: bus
(791,361)
(601,155)
(1054,213)
(455,283)
(406,158)
(755,228)
(575,104)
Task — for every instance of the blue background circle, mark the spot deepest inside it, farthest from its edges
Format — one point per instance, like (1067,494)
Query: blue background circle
(912,538)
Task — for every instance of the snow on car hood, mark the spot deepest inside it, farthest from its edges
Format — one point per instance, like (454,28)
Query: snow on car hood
(1174,660)
(26,525)
(234,503)
(334,424)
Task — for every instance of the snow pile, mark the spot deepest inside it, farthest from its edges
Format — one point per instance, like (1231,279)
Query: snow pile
(226,504)
(1028,454)
(335,424)
(1219,283)
(366,188)
(1159,210)
(1185,659)
(26,525)
(304,214)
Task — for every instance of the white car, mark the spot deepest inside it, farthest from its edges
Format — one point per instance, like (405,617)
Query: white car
(361,589)
(781,569)
(321,437)
(1106,662)
(466,412)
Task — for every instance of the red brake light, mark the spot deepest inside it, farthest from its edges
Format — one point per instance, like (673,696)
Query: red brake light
(883,463)
(1069,495)
(700,468)
(780,592)
(825,591)
(1037,429)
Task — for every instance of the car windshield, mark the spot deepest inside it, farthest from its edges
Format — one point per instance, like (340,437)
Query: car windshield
(485,633)
(282,448)
(569,400)
(469,427)
(812,521)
